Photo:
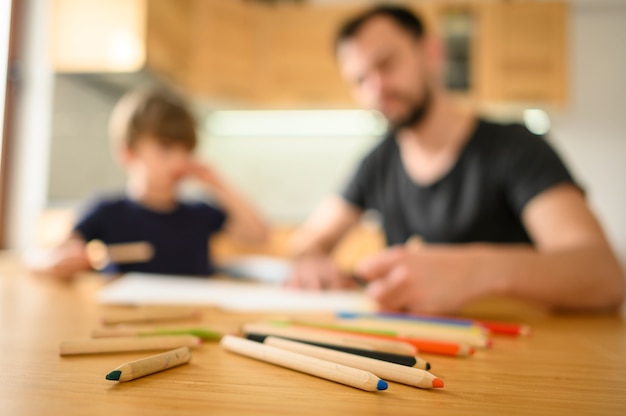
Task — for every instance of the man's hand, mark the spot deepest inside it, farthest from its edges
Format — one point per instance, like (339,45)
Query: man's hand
(426,279)
(317,272)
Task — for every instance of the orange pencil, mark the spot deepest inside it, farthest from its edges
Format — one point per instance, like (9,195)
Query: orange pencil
(457,349)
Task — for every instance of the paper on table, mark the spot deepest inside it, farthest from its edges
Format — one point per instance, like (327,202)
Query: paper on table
(145,289)
(265,269)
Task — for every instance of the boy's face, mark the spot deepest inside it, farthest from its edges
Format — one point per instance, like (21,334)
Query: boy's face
(159,166)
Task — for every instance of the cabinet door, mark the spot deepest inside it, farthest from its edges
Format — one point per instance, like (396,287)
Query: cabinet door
(522,52)
(169,39)
(298,67)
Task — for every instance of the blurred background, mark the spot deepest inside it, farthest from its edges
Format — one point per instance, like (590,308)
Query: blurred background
(273,114)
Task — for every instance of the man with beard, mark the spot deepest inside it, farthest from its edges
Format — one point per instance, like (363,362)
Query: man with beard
(496,208)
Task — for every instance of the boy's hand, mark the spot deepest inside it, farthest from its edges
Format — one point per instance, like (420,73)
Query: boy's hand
(65,261)
(204,174)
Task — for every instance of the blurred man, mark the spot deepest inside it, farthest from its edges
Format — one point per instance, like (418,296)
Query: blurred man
(497,209)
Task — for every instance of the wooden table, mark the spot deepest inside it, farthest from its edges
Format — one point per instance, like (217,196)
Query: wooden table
(573,364)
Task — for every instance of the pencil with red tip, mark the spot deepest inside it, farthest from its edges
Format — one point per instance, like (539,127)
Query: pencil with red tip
(394,372)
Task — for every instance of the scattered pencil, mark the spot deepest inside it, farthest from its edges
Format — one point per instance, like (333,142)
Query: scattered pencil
(206,334)
(423,345)
(405,360)
(148,315)
(393,372)
(150,365)
(474,336)
(500,328)
(127,344)
(284,329)
(360,379)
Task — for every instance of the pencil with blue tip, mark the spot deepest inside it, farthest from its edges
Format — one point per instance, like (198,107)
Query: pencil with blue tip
(150,365)
(393,372)
(328,370)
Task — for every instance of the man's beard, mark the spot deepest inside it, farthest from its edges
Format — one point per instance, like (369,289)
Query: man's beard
(416,115)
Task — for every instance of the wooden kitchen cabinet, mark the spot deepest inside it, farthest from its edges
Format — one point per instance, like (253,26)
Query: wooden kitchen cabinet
(246,54)
(522,52)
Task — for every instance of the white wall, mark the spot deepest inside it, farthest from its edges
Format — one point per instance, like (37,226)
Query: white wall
(5,19)
(28,182)
(591,133)
(81,161)
(286,177)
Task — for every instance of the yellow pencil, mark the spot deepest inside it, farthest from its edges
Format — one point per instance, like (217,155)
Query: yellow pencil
(349,376)
(150,365)
(127,344)
(390,371)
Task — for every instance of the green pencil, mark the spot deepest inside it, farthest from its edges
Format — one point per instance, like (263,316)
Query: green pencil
(206,334)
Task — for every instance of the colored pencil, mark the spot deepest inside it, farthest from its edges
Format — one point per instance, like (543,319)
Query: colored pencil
(148,315)
(393,372)
(423,345)
(330,337)
(501,328)
(150,365)
(476,339)
(126,344)
(349,376)
(404,360)
(391,334)
(206,334)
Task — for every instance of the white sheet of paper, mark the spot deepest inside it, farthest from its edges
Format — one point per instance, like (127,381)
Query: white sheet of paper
(147,289)
(264,269)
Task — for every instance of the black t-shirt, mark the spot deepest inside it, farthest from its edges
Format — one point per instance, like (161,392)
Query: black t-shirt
(480,199)
(180,238)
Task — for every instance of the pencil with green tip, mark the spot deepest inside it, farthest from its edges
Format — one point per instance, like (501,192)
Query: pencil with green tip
(127,344)
(150,365)
(204,334)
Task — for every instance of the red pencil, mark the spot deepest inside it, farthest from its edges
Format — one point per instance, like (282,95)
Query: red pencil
(504,328)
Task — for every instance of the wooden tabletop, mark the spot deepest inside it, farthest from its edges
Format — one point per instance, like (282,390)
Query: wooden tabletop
(573,364)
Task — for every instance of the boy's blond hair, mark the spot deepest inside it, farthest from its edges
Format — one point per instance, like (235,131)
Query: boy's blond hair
(152,112)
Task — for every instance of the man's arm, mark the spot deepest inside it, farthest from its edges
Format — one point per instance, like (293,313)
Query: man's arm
(574,266)
(571,267)
(312,244)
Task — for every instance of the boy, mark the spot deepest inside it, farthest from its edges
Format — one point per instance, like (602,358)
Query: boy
(153,135)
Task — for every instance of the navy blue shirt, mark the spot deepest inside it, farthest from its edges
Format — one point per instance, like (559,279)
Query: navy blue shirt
(180,238)
(480,199)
